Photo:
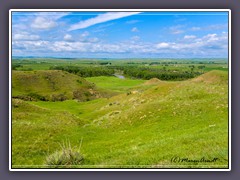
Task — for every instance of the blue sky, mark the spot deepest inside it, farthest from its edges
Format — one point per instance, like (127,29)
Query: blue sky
(120,34)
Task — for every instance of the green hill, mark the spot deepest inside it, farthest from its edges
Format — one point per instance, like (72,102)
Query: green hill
(214,76)
(51,85)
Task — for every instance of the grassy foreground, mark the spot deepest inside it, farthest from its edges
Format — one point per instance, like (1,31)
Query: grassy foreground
(147,125)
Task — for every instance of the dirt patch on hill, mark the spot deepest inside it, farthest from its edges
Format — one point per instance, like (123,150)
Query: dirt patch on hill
(153,81)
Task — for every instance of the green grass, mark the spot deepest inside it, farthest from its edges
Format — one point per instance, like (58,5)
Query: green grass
(147,128)
(114,83)
(51,85)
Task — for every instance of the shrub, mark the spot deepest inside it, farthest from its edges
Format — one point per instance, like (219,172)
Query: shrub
(80,82)
(36,96)
(67,156)
(15,66)
(77,94)
(58,97)
(27,69)
(128,93)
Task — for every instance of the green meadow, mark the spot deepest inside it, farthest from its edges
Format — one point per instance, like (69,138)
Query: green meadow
(115,84)
(63,120)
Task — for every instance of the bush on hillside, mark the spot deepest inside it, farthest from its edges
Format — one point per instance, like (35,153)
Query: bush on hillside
(67,156)
(58,97)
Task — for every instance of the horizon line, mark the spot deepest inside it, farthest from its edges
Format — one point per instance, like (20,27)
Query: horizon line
(54,57)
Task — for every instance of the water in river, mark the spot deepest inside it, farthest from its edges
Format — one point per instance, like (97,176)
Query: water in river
(119,76)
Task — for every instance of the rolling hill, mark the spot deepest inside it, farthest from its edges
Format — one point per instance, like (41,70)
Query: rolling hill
(143,126)
(51,85)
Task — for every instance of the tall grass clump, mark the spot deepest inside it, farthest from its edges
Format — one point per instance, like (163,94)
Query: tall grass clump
(67,156)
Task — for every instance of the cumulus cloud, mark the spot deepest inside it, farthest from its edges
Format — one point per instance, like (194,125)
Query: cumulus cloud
(62,46)
(67,37)
(25,36)
(162,45)
(210,45)
(80,38)
(211,37)
(43,24)
(28,35)
(100,19)
(31,46)
(134,29)
(46,20)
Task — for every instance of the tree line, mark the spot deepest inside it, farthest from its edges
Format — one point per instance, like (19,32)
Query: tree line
(85,71)
(162,74)
(130,71)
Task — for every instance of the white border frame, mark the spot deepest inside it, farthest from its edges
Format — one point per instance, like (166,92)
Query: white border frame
(119,10)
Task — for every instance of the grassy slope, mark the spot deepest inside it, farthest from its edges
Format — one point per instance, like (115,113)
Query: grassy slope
(143,129)
(49,82)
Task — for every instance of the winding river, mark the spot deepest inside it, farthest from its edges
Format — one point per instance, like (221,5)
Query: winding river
(119,76)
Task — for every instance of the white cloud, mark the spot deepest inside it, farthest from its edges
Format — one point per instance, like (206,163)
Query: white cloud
(80,38)
(85,34)
(211,37)
(84,37)
(25,36)
(135,38)
(92,40)
(210,27)
(67,37)
(189,37)
(19,26)
(43,24)
(51,15)
(62,46)
(46,20)
(209,45)
(102,27)
(162,45)
(100,19)
(217,26)
(17,51)
(31,46)
(176,29)
(134,29)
